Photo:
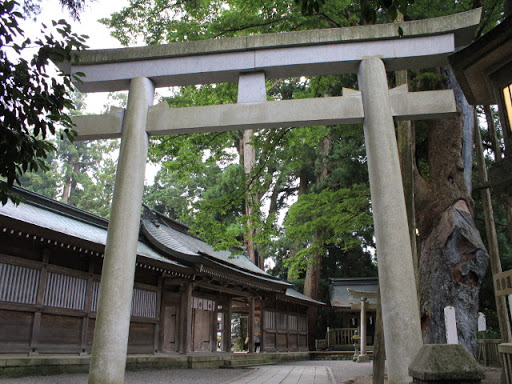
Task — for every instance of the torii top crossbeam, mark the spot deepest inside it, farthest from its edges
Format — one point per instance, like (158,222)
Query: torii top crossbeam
(280,55)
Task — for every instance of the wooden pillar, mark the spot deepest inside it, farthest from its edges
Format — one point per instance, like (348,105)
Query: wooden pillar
(88,303)
(36,326)
(186,323)
(213,329)
(492,238)
(156,342)
(262,326)
(227,326)
(250,324)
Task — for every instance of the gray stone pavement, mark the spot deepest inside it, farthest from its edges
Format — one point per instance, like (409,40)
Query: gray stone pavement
(297,372)
(287,374)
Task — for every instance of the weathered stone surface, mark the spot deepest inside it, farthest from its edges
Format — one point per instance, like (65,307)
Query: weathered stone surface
(110,342)
(396,273)
(444,363)
(304,53)
(452,265)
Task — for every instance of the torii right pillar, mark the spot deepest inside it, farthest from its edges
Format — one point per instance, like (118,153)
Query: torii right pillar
(400,309)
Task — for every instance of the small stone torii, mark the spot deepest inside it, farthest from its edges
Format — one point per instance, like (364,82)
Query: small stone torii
(368,51)
(362,296)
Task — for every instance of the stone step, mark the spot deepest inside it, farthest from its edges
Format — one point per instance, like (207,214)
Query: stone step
(249,362)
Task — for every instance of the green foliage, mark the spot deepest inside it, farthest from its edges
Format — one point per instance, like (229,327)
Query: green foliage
(203,181)
(79,173)
(329,218)
(34,104)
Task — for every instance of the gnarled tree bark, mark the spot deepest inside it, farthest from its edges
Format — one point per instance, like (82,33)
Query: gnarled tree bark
(453,258)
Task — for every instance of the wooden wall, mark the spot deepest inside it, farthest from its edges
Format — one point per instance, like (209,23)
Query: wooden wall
(48,299)
(49,293)
(285,327)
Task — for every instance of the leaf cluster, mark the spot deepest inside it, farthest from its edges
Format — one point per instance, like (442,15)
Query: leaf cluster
(33,104)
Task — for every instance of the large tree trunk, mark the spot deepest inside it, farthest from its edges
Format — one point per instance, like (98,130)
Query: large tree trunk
(70,183)
(405,140)
(249,158)
(453,259)
(312,281)
(303,187)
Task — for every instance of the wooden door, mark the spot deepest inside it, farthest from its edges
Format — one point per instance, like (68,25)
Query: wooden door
(169,342)
(201,330)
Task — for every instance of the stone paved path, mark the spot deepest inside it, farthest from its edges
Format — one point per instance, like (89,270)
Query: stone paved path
(286,375)
(297,372)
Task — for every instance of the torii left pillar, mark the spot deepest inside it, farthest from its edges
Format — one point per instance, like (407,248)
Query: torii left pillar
(110,343)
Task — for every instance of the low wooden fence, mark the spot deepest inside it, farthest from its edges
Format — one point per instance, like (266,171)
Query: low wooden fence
(487,352)
(340,336)
(336,338)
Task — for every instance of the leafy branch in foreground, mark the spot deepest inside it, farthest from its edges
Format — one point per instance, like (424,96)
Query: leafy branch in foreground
(33,104)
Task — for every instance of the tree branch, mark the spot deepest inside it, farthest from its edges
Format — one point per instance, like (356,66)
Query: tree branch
(270,22)
(329,19)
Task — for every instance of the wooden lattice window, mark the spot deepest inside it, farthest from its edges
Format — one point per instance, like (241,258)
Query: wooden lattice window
(270,320)
(144,303)
(64,291)
(18,284)
(303,324)
(292,322)
(95,295)
(282,321)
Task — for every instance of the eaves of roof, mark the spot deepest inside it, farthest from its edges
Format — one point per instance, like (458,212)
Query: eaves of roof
(39,212)
(295,296)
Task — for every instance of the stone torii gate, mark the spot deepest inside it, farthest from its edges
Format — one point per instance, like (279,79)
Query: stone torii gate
(362,296)
(368,51)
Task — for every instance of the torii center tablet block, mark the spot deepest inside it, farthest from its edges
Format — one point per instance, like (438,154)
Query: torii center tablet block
(369,51)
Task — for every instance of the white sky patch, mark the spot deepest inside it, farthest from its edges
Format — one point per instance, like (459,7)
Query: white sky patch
(99,38)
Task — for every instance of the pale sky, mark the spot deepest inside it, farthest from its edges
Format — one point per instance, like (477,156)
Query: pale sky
(99,35)
(99,38)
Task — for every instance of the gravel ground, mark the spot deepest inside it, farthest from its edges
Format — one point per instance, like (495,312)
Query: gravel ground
(173,376)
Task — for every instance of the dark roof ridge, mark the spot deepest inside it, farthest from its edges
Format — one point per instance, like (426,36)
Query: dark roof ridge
(175,224)
(38,200)
(231,265)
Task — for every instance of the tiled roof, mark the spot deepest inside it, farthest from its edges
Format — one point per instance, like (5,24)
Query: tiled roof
(292,293)
(169,241)
(69,221)
(172,237)
(339,295)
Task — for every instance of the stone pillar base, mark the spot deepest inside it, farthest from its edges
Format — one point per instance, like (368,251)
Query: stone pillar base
(445,363)
(363,358)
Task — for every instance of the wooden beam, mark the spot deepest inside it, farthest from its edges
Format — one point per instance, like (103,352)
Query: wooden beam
(219,288)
